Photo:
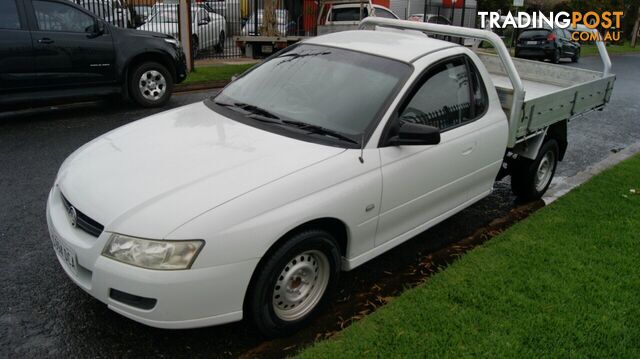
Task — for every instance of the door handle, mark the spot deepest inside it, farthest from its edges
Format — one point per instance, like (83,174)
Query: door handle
(469,149)
(45,40)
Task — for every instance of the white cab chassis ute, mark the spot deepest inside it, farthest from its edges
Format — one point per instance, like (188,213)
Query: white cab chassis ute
(323,157)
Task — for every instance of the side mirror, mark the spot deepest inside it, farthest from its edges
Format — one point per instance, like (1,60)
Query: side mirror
(413,134)
(98,29)
(203,22)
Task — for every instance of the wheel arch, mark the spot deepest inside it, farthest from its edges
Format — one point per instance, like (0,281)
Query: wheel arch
(558,132)
(337,228)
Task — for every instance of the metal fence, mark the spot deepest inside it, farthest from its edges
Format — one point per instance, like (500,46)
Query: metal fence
(215,23)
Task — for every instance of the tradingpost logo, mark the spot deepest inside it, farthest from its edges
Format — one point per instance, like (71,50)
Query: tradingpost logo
(607,20)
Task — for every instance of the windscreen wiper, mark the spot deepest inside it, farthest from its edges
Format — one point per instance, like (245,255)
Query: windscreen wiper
(256,110)
(249,109)
(320,130)
(263,115)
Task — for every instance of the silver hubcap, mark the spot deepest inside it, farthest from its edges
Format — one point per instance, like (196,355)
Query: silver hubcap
(300,285)
(545,170)
(152,85)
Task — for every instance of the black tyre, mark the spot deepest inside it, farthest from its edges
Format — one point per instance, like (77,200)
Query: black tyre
(150,84)
(293,284)
(531,179)
(556,57)
(219,48)
(576,57)
(195,46)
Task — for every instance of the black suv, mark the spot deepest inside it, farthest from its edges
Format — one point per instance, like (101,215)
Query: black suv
(54,49)
(545,44)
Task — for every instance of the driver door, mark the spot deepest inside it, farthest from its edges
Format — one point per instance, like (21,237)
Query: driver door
(67,52)
(424,183)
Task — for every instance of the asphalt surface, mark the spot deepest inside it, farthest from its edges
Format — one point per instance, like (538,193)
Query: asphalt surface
(42,313)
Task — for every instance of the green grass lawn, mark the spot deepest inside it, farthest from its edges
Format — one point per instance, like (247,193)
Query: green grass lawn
(215,73)
(563,283)
(588,50)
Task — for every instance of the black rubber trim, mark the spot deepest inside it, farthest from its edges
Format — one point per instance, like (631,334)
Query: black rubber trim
(132,300)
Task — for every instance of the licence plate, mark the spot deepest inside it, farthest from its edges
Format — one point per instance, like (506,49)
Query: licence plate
(267,49)
(532,42)
(67,254)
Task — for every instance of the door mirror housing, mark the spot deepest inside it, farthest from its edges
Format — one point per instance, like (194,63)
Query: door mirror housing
(203,22)
(414,134)
(99,28)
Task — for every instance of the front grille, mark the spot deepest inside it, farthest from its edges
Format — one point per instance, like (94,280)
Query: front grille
(83,221)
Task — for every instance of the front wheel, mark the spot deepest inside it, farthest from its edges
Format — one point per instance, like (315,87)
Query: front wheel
(294,283)
(531,179)
(150,84)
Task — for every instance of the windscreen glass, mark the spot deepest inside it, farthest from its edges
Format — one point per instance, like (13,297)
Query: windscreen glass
(337,89)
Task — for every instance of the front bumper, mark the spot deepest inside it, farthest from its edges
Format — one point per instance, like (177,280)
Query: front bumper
(181,67)
(191,298)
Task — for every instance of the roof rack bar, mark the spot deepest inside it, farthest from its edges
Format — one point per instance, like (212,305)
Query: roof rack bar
(602,50)
(457,31)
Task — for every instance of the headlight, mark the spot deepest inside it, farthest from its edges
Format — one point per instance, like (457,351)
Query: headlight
(173,42)
(151,254)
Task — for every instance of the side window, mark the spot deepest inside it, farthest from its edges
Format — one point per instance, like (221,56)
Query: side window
(384,13)
(348,14)
(9,18)
(480,99)
(53,16)
(205,15)
(444,97)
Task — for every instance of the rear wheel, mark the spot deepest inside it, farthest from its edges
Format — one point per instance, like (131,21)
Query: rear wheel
(531,179)
(556,57)
(294,283)
(150,84)
(576,57)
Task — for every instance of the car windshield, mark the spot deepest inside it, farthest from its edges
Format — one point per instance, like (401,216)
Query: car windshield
(336,89)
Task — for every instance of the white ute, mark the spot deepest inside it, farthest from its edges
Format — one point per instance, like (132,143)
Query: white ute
(332,152)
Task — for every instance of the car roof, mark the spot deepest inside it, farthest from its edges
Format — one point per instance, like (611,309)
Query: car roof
(395,44)
(352,5)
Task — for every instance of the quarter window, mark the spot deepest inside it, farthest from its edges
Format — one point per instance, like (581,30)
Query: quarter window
(9,18)
(443,100)
(53,16)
